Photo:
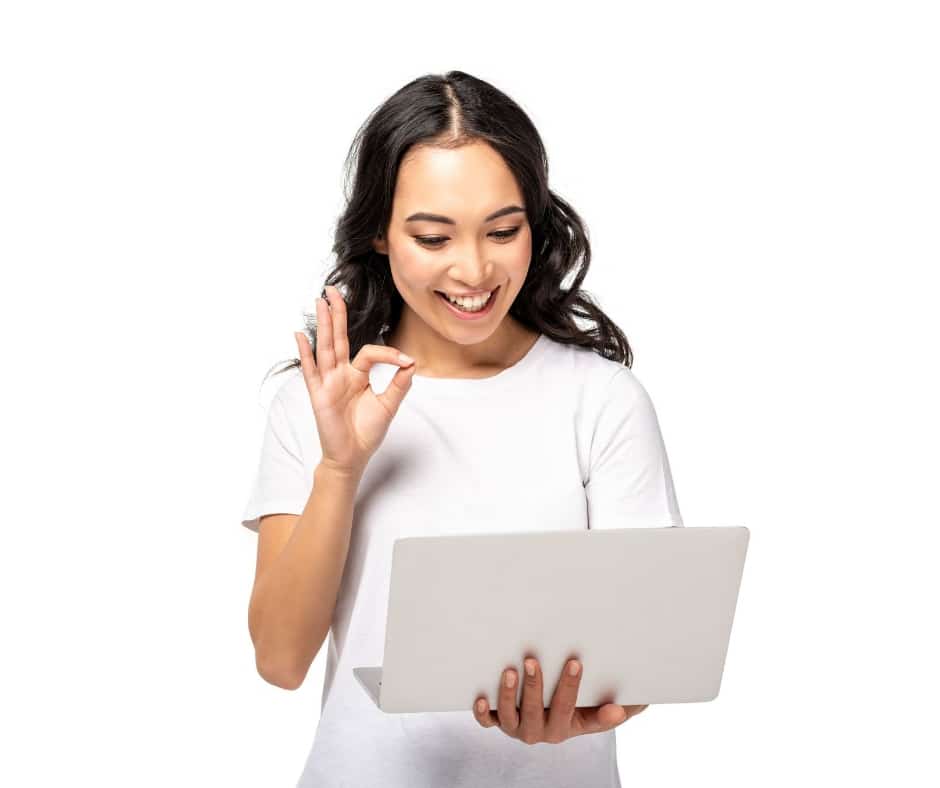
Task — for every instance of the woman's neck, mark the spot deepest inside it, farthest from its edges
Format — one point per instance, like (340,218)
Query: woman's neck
(439,357)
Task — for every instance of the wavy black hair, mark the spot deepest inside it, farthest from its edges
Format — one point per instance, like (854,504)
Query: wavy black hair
(449,111)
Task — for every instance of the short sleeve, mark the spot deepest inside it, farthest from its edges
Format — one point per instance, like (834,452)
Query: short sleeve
(280,485)
(629,483)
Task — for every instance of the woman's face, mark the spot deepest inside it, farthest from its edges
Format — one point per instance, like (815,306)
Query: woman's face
(461,249)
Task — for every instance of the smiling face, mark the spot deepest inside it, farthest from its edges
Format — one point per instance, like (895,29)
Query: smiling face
(458,226)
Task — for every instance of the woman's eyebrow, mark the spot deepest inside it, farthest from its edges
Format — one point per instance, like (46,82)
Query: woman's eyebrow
(423,216)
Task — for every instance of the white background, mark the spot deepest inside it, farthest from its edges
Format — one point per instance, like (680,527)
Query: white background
(760,183)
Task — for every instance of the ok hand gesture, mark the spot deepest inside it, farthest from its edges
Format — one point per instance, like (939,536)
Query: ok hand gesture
(352,419)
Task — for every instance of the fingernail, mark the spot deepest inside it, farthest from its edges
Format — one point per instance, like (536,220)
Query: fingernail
(511,678)
(481,704)
(404,358)
(530,667)
(573,669)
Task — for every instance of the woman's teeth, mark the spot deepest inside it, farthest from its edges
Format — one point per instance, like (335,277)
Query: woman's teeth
(474,304)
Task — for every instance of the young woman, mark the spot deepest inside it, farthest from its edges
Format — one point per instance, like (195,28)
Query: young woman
(505,415)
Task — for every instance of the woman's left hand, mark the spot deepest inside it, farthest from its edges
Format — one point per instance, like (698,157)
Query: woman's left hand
(533,724)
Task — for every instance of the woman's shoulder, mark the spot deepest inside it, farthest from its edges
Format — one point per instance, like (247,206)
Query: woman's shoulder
(289,389)
(583,366)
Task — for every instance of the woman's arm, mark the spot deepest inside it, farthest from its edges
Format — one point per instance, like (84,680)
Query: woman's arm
(301,559)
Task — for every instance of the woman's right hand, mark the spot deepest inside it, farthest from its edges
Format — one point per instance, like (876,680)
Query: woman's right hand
(351,418)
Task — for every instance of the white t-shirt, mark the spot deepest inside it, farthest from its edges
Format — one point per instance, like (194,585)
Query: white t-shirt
(562,439)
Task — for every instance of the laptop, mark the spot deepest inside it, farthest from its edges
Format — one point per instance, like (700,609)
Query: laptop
(647,611)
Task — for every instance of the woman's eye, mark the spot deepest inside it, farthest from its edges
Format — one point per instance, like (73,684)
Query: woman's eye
(436,241)
(425,240)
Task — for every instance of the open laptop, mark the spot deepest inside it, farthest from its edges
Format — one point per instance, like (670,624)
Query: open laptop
(647,611)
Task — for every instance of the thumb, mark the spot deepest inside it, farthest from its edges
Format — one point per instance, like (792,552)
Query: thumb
(613,713)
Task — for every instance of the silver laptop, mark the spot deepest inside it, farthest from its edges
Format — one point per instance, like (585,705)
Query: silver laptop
(647,611)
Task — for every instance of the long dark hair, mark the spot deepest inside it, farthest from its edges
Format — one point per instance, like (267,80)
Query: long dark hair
(449,111)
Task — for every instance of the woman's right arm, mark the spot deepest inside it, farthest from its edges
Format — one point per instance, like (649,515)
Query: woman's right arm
(301,559)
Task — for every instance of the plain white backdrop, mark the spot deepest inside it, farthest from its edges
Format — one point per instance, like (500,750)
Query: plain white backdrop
(760,184)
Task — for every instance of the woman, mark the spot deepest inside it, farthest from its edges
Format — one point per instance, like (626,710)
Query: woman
(505,415)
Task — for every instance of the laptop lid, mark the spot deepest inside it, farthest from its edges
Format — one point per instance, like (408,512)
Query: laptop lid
(648,611)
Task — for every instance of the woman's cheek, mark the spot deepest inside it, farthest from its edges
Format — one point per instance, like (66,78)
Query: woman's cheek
(408,269)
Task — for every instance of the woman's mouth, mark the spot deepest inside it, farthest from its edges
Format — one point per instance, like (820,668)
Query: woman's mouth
(469,314)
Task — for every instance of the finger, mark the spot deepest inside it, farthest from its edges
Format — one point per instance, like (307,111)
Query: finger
(532,722)
(506,703)
(326,356)
(483,715)
(377,354)
(307,365)
(564,702)
(338,312)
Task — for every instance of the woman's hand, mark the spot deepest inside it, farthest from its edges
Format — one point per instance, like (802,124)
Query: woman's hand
(352,419)
(562,721)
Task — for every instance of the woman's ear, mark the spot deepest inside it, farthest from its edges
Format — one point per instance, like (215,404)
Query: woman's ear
(380,245)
